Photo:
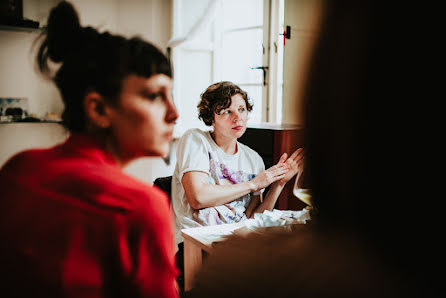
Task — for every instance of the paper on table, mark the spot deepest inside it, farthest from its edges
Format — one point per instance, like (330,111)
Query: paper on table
(278,218)
(216,231)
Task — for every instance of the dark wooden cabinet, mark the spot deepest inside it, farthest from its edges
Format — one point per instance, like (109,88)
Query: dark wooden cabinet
(271,141)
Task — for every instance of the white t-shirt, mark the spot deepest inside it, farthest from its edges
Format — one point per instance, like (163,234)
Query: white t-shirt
(197,151)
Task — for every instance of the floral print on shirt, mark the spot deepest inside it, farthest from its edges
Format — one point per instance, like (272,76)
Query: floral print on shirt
(231,212)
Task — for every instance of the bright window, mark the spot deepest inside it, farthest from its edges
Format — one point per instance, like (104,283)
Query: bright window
(242,50)
(238,41)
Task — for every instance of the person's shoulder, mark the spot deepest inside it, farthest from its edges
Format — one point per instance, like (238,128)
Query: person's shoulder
(26,158)
(245,147)
(195,135)
(141,201)
(194,132)
(248,150)
(118,184)
(116,193)
(144,198)
(103,185)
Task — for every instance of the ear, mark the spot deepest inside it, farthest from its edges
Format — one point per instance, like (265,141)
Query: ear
(96,110)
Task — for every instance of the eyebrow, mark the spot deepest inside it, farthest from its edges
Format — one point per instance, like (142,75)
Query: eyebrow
(146,92)
(151,90)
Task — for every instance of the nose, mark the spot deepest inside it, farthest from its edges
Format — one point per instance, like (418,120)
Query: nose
(237,116)
(172,112)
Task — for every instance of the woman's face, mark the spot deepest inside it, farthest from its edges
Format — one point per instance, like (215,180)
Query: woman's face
(231,123)
(142,122)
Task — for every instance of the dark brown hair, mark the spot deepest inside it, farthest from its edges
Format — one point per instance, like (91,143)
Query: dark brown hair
(216,98)
(92,61)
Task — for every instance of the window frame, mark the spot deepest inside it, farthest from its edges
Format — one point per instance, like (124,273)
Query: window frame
(270,100)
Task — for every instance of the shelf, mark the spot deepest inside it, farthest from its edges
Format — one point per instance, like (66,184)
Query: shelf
(20,29)
(31,122)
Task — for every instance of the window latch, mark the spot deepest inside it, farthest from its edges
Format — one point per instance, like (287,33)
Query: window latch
(264,69)
(286,34)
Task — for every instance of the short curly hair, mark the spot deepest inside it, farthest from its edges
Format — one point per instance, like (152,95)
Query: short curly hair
(216,98)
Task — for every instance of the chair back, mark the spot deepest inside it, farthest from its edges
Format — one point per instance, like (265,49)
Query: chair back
(165,184)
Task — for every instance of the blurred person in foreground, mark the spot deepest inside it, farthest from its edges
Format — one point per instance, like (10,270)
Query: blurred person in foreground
(72,223)
(365,239)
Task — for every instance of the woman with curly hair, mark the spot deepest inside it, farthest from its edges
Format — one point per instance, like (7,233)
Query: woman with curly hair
(217,179)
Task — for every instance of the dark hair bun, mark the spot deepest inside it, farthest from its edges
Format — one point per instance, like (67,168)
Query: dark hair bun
(62,30)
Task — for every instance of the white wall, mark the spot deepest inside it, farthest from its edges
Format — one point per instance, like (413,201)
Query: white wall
(18,77)
(196,56)
(150,19)
(16,137)
(101,14)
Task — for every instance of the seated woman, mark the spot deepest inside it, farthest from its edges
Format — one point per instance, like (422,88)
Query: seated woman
(217,179)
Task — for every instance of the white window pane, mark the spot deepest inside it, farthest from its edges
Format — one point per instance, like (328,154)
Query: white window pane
(241,51)
(191,86)
(255,97)
(189,15)
(242,13)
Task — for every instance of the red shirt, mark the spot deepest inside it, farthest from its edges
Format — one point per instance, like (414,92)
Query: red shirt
(72,224)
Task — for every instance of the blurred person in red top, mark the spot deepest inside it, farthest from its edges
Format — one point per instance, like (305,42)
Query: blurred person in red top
(72,223)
